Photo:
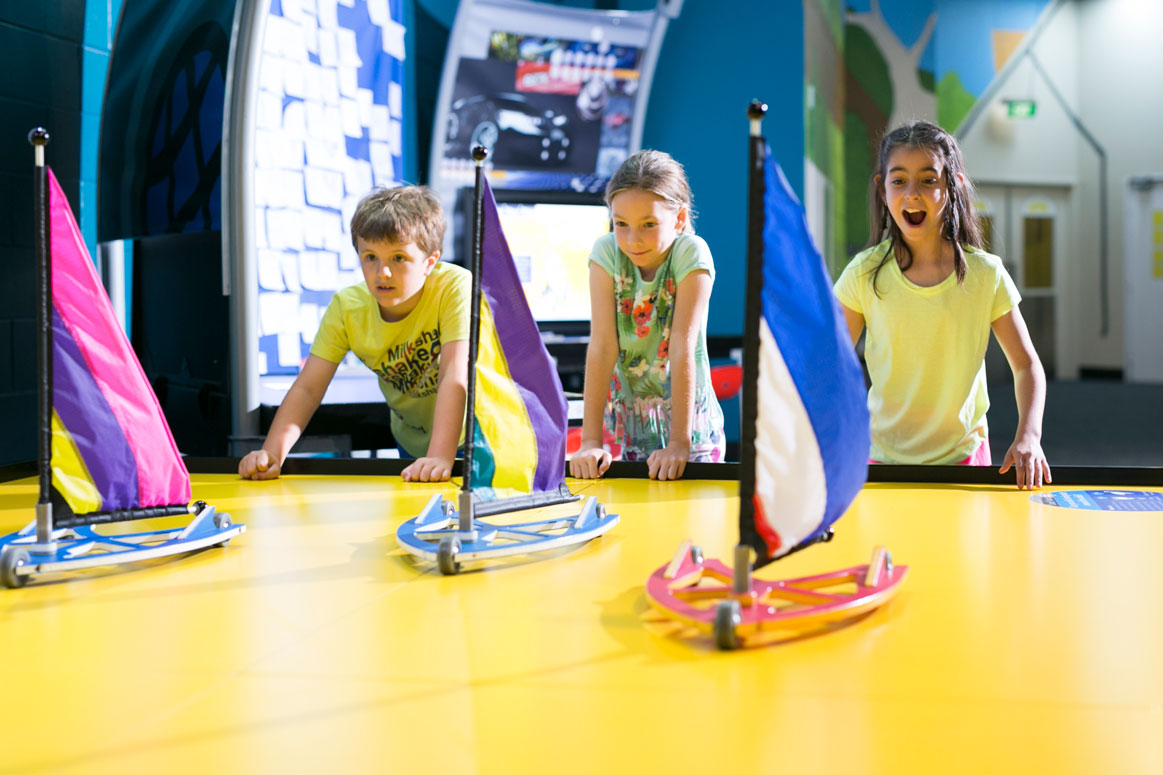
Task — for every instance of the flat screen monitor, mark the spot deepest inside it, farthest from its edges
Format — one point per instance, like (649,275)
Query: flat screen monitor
(550,234)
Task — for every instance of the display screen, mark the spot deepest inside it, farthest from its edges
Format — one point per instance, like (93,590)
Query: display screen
(551,243)
(550,234)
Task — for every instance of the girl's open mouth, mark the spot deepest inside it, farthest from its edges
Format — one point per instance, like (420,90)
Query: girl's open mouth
(914,217)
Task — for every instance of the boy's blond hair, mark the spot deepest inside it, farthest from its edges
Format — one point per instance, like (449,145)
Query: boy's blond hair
(401,214)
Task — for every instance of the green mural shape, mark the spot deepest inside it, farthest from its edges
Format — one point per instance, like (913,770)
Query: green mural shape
(835,18)
(838,257)
(868,68)
(858,163)
(927,79)
(953,102)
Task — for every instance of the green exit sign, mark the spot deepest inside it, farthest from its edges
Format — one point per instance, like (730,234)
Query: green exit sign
(1021,108)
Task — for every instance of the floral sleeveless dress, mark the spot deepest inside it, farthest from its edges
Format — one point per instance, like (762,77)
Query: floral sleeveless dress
(639,408)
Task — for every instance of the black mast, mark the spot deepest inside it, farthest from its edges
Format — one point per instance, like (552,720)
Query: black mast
(749,538)
(39,138)
(479,154)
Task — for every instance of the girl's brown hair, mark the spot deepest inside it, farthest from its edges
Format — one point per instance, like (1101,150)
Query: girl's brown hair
(659,174)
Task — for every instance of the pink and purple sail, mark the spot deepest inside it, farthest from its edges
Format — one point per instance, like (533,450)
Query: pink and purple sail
(112,447)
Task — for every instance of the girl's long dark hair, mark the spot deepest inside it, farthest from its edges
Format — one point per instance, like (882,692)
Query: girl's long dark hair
(960,225)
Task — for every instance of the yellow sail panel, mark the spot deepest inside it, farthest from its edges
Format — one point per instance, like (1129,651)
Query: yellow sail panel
(70,476)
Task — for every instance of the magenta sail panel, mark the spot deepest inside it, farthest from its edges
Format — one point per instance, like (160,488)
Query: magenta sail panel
(100,392)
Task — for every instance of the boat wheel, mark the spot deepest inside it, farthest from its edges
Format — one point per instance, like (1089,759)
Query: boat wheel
(728,616)
(10,560)
(446,556)
(222,521)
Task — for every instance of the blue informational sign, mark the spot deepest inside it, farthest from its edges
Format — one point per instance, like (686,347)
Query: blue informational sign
(1103,500)
(328,127)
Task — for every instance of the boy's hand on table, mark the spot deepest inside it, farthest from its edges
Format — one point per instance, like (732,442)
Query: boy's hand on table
(259,465)
(428,469)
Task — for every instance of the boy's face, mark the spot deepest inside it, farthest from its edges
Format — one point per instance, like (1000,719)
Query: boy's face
(395,273)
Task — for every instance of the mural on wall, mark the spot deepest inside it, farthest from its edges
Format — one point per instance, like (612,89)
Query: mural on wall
(824,129)
(905,60)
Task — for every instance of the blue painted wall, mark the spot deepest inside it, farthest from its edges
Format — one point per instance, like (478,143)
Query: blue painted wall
(970,28)
(100,29)
(716,59)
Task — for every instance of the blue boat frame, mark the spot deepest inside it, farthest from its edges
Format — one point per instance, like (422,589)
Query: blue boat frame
(22,557)
(435,534)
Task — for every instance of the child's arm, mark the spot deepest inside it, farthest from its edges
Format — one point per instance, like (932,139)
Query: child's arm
(855,323)
(296,410)
(690,307)
(591,459)
(1025,454)
(448,417)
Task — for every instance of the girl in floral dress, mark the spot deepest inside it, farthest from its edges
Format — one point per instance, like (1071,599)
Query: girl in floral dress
(648,378)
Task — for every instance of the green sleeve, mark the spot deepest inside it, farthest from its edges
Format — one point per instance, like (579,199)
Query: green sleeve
(690,253)
(604,253)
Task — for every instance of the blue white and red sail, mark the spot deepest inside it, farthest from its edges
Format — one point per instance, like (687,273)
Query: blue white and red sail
(811,437)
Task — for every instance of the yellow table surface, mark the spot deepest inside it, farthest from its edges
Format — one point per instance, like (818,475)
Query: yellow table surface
(1027,638)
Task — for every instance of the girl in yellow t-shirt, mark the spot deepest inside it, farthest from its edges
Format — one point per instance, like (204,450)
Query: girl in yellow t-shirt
(929,298)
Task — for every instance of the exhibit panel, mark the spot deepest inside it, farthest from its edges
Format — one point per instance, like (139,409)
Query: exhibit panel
(1143,270)
(317,109)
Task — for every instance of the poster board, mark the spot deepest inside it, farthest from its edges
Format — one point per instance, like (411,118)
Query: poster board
(556,94)
(328,126)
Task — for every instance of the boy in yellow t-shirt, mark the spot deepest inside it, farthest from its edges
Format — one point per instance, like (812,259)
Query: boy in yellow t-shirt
(408,322)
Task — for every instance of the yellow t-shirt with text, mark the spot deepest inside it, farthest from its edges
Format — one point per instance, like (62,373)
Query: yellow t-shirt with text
(405,354)
(925,350)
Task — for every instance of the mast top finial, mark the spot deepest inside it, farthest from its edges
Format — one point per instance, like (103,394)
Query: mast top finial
(756,110)
(479,153)
(39,136)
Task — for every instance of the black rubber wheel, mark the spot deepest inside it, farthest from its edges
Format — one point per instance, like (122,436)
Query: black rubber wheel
(446,556)
(697,555)
(10,560)
(888,562)
(728,615)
